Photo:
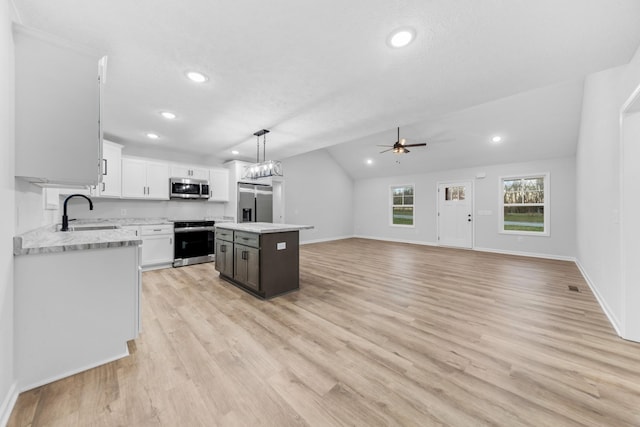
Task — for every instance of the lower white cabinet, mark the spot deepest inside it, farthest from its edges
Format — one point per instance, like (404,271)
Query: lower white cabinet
(75,310)
(157,246)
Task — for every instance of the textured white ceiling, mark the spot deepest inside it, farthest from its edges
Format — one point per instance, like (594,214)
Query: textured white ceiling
(319,73)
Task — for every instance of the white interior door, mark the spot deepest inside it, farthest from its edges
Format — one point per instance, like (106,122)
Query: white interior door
(455,214)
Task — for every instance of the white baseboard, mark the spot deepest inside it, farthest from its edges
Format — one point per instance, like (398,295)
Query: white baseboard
(497,251)
(8,403)
(411,242)
(527,254)
(328,239)
(603,304)
(38,383)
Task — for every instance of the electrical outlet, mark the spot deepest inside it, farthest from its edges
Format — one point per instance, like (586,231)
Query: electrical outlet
(123,212)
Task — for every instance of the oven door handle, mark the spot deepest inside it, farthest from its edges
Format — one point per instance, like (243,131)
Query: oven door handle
(193,229)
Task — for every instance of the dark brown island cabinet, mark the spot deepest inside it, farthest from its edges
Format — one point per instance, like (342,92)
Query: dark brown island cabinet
(260,258)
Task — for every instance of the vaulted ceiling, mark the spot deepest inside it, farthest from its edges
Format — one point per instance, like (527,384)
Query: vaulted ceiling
(320,74)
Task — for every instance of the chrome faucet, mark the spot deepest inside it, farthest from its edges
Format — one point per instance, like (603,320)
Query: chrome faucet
(65,218)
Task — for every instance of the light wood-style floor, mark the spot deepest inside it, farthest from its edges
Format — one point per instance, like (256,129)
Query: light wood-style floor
(379,334)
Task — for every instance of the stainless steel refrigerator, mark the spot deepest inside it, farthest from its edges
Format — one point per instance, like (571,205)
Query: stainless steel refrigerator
(255,203)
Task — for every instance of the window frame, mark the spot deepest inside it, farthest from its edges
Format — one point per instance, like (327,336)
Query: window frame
(546,176)
(392,205)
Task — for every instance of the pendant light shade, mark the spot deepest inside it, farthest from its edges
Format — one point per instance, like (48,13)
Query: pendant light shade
(266,168)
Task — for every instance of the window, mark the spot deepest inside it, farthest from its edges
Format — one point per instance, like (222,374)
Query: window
(402,205)
(525,204)
(454,193)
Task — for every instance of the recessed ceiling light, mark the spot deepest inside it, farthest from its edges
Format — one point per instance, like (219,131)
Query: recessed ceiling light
(235,152)
(152,135)
(369,161)
(496,139)
(196,77)
(168,115)
(401,37)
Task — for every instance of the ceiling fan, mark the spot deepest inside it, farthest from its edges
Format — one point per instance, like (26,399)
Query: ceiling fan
(399,147)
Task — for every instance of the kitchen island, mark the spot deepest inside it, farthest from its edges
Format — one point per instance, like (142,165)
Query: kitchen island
(258,257)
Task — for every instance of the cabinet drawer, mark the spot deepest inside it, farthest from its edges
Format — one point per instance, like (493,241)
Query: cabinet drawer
(249,239)
(152,230)
(224,234)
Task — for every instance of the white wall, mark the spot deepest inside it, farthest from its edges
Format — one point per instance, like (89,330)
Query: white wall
(371,201)
(7,212)
(318,192)
(30,213)
(598,184)
(630,230)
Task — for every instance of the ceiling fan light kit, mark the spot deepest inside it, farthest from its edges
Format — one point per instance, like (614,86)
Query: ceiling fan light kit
(400,146)
(266,168)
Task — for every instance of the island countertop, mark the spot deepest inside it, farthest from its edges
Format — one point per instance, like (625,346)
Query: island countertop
(262,227)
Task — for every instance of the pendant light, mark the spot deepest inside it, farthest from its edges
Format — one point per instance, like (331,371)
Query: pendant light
(265,168)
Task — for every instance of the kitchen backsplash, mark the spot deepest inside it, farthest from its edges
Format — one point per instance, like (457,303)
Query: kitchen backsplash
(31,212)
(123,208)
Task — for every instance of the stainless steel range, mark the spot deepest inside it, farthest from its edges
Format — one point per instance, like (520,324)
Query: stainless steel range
(194,242)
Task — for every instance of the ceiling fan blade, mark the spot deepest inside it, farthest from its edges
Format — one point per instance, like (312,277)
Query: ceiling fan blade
(415,145)
(405,150)
(384,151)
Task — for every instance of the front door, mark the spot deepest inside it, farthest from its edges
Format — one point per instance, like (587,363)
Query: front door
(455,214)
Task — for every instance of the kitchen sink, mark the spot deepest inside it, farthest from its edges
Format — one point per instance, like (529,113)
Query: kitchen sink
(92,227)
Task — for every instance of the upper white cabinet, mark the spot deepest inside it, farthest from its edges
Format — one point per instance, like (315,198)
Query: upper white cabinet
(218,185)
(111,185)
(185,171)
(57,109)
(142,179)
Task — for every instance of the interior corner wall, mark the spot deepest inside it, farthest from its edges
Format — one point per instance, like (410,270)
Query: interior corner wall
(372,208)
(598,185)
(318,192)
(7,212)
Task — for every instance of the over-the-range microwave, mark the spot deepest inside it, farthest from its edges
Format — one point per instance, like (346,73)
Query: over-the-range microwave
(188,188)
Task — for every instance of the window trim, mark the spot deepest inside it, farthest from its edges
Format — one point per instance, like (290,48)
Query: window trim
(391,205)
(547,204)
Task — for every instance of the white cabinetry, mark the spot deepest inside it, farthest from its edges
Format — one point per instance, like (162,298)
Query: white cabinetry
(75,310)
(218,185)
(57,110)
(157,246)
(143,179)
(185,171)
(111,185)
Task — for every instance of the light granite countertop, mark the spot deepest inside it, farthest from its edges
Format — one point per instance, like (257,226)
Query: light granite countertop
(48,239)
(263,227)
